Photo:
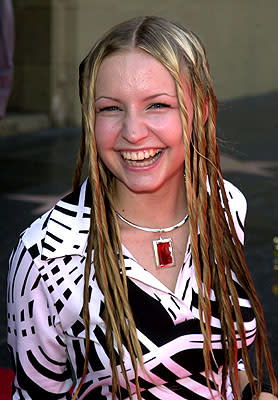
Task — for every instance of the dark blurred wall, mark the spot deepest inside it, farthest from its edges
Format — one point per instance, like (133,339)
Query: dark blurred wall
(52,36)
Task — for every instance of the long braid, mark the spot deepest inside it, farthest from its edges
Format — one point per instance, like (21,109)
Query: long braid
(118,309)
(114,283)
(211,158)
(219,262)
(221,256)
(79,163)
(240,269)
(200,145)
(105,241)
(243,275)
(196,191)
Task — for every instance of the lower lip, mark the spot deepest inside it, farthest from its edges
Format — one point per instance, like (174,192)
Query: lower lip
(141,167)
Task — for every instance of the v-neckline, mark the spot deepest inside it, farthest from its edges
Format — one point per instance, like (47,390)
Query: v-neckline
(154,279)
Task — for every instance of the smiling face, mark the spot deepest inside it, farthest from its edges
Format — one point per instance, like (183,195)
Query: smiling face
(138,128)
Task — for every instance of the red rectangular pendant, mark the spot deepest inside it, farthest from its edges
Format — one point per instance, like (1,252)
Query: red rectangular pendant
(163,252)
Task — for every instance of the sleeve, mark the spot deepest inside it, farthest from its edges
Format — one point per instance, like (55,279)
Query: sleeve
(35,337)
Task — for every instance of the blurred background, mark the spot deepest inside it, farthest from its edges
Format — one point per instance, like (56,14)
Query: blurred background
(53,36)
(39,134)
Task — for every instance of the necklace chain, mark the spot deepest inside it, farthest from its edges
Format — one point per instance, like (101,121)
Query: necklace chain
(142,228)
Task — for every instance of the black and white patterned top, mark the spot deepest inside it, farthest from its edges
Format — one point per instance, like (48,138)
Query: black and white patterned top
(45,328)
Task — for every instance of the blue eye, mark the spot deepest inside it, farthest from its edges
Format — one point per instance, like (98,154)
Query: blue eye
(159,106)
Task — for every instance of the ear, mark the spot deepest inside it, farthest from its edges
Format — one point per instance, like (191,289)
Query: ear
(206,110)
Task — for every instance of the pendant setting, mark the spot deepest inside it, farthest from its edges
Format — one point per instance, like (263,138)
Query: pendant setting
(163,247)
(163,253)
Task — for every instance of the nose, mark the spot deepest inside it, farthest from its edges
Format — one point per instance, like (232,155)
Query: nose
(134,128)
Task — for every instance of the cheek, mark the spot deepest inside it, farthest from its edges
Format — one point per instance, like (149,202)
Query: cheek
(175,128)
(168,128)
(103,145)
(190,112)
(99,137)
(104,134)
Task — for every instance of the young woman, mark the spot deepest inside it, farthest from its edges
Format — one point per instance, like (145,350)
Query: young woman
(135,285)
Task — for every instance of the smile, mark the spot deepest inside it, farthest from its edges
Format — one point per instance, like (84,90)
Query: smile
(141,158)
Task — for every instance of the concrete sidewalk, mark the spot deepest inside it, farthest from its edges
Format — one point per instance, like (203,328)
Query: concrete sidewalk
(36,170)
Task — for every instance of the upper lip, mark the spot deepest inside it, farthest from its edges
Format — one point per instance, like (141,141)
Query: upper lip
(139,154)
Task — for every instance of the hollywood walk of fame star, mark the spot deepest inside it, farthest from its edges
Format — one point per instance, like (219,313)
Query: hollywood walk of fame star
(228,163)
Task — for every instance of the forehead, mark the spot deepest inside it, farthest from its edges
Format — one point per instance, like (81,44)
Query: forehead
(134,67)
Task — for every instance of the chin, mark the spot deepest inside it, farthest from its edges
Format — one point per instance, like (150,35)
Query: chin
(143,188)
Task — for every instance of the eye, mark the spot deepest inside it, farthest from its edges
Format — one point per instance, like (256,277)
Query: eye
(157,106)
(110,108)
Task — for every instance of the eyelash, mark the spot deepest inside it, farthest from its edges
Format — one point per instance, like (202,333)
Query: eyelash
(155,106)
(159,105)
(110,108)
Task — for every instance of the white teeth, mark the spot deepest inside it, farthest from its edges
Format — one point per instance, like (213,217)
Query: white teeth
(139,155)
(141,158)
(133,156)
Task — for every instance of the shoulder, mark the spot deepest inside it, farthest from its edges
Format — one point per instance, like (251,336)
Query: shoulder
(63,230)
(238,207)
(236,198)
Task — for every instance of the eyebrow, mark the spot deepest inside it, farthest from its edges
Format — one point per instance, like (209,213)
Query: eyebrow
(160,94)
(106,97)
(146,98)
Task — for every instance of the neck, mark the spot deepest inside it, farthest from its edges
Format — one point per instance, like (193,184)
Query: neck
(162,208)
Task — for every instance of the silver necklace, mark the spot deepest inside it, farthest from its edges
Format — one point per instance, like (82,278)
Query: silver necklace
(163,247)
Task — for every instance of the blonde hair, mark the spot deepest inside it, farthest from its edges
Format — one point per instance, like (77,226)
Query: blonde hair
(182,53)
